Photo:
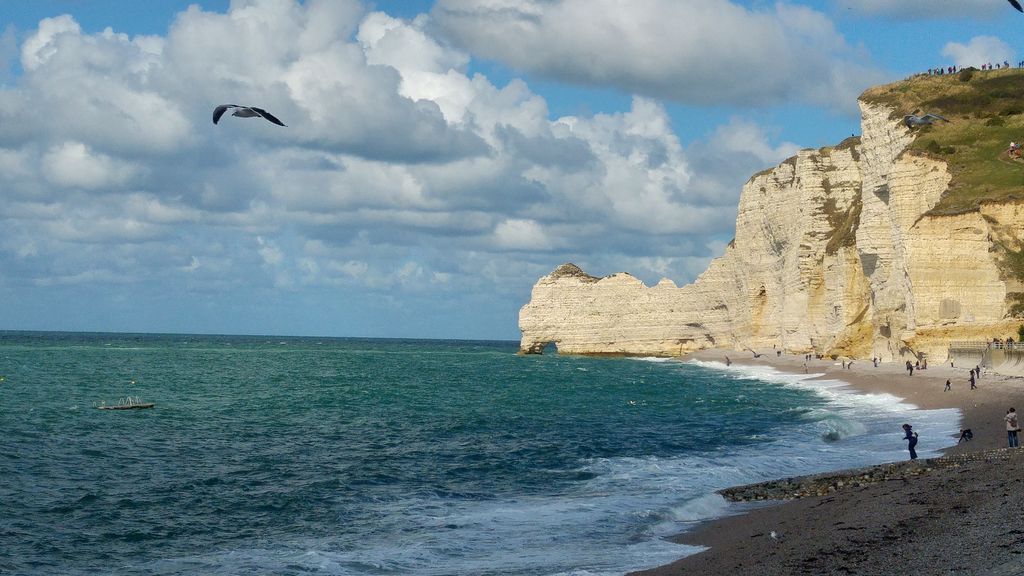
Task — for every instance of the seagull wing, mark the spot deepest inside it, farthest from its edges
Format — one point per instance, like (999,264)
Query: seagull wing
(1016,5)
(267,115)
(220,110)
(934,117)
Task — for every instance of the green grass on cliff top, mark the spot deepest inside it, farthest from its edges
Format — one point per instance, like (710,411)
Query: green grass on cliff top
(985,111)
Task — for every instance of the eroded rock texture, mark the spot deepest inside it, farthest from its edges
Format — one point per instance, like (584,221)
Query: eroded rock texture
(835,253)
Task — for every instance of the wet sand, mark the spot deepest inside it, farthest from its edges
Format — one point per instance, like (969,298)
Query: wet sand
(958,514)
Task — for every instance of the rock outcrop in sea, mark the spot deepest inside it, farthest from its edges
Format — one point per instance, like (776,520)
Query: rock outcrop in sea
(838,251)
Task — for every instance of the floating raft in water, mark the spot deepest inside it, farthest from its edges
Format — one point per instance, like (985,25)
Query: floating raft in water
(128,404)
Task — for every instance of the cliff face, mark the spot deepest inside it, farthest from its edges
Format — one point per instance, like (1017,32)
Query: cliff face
(835,253)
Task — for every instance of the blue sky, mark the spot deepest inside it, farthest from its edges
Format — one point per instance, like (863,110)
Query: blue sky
(439,157)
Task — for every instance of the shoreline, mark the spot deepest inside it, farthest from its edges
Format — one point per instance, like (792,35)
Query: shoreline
(941,515)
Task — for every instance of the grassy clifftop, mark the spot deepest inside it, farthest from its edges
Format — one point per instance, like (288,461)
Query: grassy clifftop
(985,111)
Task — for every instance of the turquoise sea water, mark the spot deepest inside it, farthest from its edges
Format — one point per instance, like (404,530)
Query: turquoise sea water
(269,455)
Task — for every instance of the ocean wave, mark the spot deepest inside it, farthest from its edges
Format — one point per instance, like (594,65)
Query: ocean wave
(838,428)
(829,389)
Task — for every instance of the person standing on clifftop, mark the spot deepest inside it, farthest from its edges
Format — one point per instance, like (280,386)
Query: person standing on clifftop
(911,438)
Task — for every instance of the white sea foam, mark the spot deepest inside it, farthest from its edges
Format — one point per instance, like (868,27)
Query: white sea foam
(700,508)
(839,428)
(874,417)
(831,389)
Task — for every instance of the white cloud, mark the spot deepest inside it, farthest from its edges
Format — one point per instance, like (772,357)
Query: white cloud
(92,226)
(429,71)
(41,46)
(192,266)
(84,277)
(979,50)
(271,254)
(354,268)
(152,209)
(692,51)
(398,173)
(73,164)
(741,138)
(519,234)
(405,46)
(101,90)
(15,163)
(727,158)
(640,175)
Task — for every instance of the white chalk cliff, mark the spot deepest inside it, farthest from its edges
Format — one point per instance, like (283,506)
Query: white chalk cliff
(835,253)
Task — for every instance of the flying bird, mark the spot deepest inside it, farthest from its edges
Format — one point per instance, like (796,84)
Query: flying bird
(244,112)
(911,120)
(1016,5)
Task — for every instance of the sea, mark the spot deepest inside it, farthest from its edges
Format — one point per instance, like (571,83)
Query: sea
(338,456)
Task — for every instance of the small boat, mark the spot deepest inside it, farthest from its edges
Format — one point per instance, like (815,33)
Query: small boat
(128,403)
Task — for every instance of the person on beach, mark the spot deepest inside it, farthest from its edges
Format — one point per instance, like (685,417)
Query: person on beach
(947,389)
(973,386)
(911,438)
(965,435)
(1012,427)
(727,361)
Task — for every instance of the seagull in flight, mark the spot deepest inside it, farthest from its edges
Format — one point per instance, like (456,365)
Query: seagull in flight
(244,112)
(1016,5)
(911,120)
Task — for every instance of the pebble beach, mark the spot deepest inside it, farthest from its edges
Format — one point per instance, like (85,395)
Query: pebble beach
(955,514)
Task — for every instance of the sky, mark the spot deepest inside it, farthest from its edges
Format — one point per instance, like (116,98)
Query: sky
(439,156)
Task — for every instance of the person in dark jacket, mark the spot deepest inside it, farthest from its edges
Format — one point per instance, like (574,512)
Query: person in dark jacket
(911,438)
